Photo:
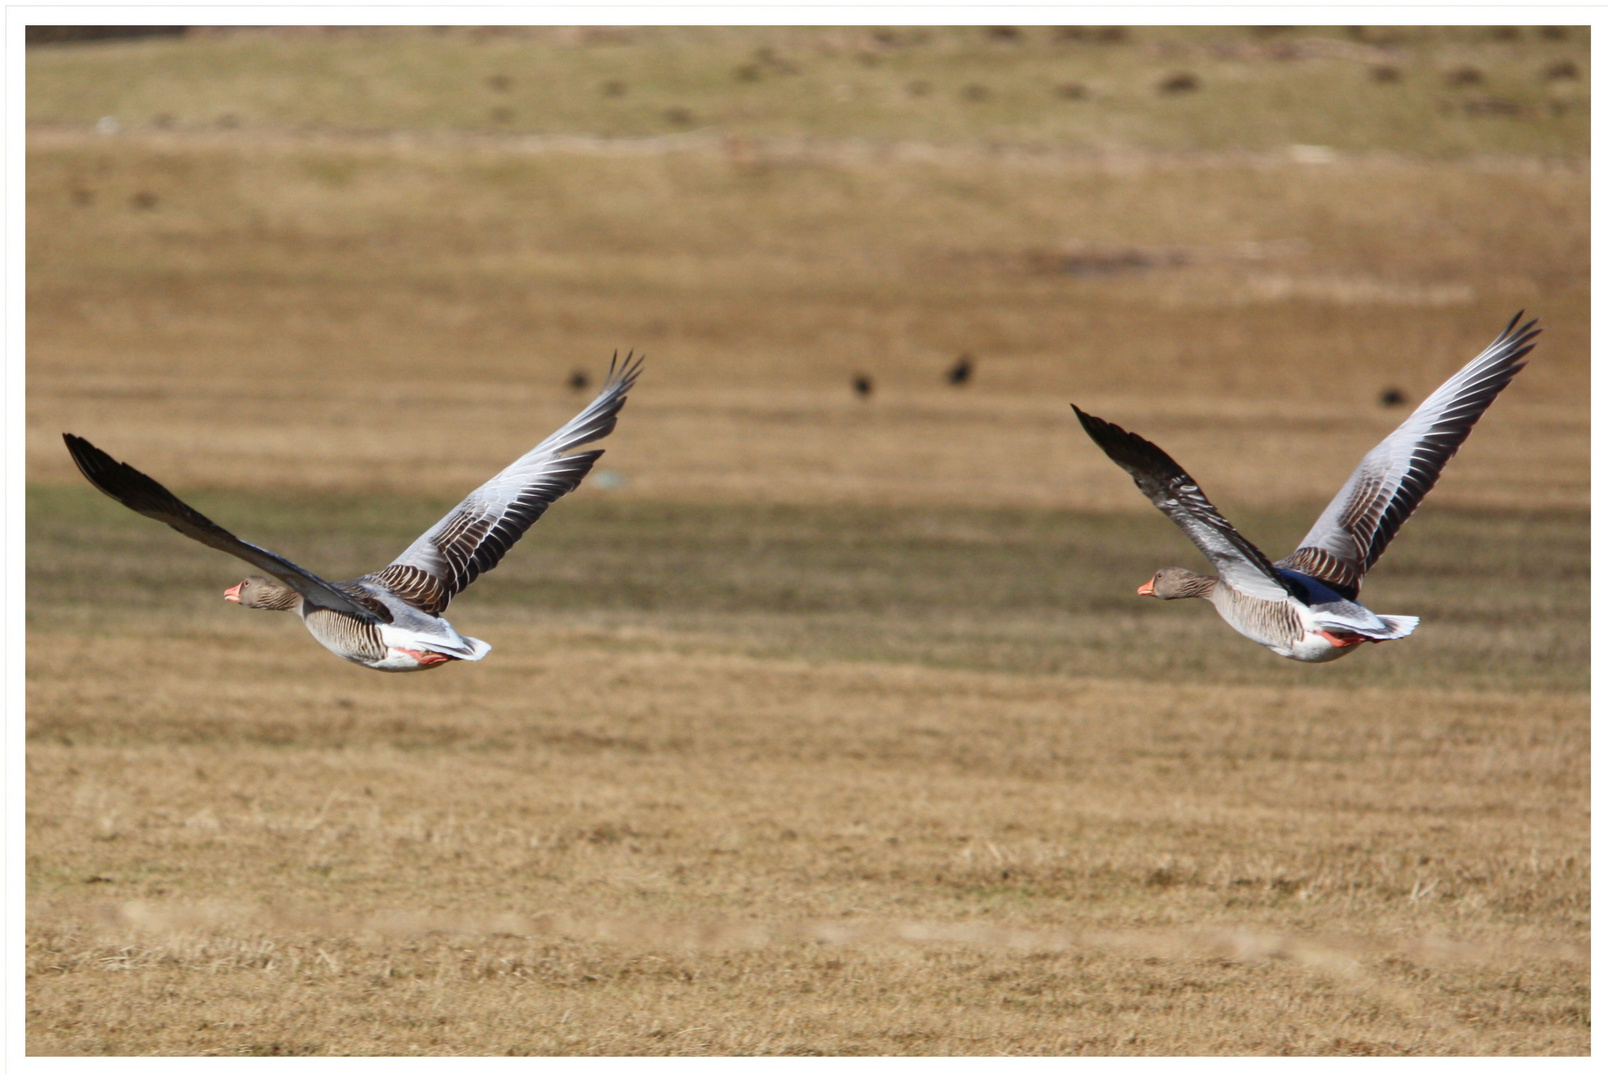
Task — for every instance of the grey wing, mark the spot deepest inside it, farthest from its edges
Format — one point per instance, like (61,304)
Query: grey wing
(1238,562)
(474,536)
(1393,478)
(143,495)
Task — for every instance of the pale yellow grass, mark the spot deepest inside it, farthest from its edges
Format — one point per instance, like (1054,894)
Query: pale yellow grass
(631,846)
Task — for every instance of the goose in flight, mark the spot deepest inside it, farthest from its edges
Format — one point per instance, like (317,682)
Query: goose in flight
(1304,607)
(392,620)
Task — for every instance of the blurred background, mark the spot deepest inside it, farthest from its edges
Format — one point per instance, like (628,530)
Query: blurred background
(323,281)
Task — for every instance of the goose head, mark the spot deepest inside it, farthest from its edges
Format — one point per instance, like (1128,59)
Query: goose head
(1175,583)
(261,592)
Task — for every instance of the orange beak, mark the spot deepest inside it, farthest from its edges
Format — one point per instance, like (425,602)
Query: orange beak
(1147,588)
(233,594)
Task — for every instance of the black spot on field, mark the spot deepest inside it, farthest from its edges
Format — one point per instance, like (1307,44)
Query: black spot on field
(1184,82)
(862,385)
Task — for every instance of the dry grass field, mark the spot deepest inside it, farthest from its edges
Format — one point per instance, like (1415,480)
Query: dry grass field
(832,725)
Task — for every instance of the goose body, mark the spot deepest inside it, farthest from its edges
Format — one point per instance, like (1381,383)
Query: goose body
(1304,606)
(392,620)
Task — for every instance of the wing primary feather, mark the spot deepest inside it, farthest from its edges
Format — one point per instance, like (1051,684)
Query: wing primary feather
(474,536)
(140,493)
(1166,484)
(1392,479)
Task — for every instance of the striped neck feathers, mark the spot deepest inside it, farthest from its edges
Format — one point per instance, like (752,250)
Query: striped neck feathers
(261,592)
(1175,583)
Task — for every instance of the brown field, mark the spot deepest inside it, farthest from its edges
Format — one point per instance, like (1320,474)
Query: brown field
(833,727)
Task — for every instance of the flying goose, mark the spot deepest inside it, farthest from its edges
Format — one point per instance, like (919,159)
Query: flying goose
(391,620)
(1304,607)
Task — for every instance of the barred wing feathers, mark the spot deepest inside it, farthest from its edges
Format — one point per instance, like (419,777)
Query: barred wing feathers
(1238,562)
(476,534)
(1393,478)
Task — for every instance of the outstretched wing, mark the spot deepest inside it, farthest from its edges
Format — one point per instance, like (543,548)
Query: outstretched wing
(474,536)
(1393,478)
(143,495)
(1238,562)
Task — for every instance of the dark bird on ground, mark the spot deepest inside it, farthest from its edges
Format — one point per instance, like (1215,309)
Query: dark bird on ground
(1304,607)
(1391,396)
(391,620)
(960,372)
(862,385)
(578,380)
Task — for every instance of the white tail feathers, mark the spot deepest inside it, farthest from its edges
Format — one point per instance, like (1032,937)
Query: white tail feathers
(1399,627)
(480,648)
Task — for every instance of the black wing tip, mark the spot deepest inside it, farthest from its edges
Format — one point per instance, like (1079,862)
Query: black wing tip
(622,374)
(101,469)
(82,449)
(1124,447)
(613,395)
(1096,426)
(1515,322)
(1515,343)
(1515,335)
